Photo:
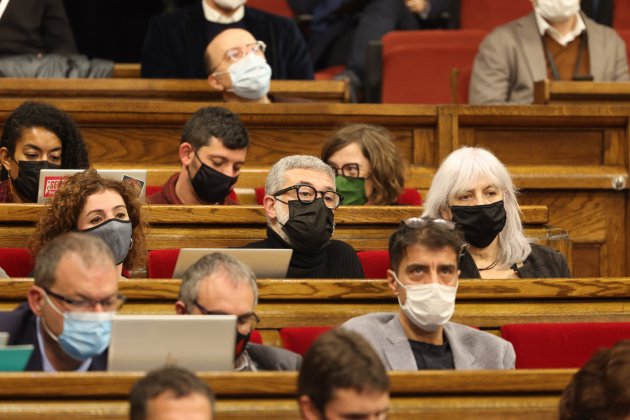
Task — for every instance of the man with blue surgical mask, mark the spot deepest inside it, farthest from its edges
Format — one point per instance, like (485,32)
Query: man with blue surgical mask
(69,308)
(424,275)
(237,66)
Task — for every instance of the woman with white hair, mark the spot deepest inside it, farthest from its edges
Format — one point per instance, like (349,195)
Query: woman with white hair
(475,190)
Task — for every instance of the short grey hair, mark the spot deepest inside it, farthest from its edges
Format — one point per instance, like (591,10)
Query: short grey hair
(210,264)
(276,179)
(90,249)
(459,171)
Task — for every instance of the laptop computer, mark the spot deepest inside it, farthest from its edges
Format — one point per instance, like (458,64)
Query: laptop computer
(194,342)
(49,180)
(265,263)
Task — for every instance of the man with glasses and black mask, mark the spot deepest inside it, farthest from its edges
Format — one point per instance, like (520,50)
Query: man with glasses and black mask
(424,255)
(212,151)
(300,200)
(219,284)
(68,315)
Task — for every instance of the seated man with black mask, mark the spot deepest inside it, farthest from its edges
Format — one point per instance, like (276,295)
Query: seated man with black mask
(219,284)
(212,150)
(300,200)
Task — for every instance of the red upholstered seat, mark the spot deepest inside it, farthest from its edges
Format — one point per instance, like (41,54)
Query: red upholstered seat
(299,339)
(417,64)
(621,14)
(256,337)
(488,14)
(277,7)
(152,189)
(161,263)
(17,262)
(625,35)
(569,345)
(375,263)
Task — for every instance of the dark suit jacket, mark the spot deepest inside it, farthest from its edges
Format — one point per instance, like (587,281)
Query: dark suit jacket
(34,27)
(176,41)
(22,329)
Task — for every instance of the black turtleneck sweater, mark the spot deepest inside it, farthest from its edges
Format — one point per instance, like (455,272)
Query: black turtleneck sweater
(337,260)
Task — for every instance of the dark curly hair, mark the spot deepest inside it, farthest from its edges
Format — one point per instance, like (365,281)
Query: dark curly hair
(37,114)
(62,214)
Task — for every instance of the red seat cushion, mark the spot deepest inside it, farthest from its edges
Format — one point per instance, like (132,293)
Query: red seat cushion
(567,345)
(17,262)
(375,263)
(260,194)
(161,263)
(277,7)
(488,14)
(409,197)
(255,337)
(299,339)
(621,14)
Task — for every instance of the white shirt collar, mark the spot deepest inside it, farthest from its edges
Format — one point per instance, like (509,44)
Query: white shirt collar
(215,16)
(46,365)
(544,27)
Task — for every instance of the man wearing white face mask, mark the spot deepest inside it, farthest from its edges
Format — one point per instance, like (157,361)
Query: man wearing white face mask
(70,306)
(557,42)
(424,254)
(175,42)
(237,67)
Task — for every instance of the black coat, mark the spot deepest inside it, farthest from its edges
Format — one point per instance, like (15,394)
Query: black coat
(542,262)
(176,41)
(22,328)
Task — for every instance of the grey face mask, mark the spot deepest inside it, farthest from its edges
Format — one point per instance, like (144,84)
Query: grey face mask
(117,234)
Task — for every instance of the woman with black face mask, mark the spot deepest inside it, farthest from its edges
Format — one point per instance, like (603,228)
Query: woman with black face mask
(475,190)
(36,136)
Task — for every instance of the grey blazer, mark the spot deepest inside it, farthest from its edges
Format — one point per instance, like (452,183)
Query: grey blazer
(511,59)
(472,349)
(272,358)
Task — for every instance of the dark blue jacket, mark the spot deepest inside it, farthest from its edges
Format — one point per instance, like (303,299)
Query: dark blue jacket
(22,328)
(176,41)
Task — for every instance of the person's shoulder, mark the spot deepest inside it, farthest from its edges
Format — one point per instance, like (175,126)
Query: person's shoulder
(369,321)
(470,335)
(273,358)
(16,321)
(179,14)
(605,30)
(509,28)
(544,253)
(340,246)
(261,15)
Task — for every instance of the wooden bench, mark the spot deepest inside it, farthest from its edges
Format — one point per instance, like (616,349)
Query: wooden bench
(271,395)
(570,92)
(365,227)
(161,89)
(487,304)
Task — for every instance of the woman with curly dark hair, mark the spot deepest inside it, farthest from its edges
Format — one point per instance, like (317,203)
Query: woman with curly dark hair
(368,166)
(86,202)
(37,136)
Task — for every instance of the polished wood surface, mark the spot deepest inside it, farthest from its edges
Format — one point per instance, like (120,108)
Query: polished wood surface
(572,92)
(162,89)
(523,394)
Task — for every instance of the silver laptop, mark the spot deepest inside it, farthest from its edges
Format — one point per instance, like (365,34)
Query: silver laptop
(49,180)
(195,342)
(265,263)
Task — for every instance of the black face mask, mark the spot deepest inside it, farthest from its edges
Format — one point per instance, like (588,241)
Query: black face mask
(210,185)
(27,181)
(241,343)
(310,226)
(480,224)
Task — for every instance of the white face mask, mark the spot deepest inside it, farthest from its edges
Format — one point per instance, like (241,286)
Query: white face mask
(250,76)
(230,4)
(428,306)
(557,10)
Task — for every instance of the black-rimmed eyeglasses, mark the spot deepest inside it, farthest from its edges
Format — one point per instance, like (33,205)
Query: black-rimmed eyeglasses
(306,194)
(240,320)
(110,304)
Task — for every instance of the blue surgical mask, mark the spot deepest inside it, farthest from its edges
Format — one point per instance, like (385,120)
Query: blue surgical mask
(250,76)
(117,234)
(85,334)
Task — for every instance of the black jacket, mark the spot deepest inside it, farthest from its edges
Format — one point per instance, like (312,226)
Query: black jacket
(22,328)
(542,262)
(176,41)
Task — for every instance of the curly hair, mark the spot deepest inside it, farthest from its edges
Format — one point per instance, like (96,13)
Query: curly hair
(62,214)
(377,146)
(74,153)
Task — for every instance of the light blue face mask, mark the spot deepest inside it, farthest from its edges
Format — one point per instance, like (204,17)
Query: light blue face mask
(85,334)
(250,76)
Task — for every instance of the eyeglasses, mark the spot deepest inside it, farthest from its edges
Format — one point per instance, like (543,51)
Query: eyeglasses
(420,222)
(240,320)
(110,304)
(351,170)
(236,54)
(307,194)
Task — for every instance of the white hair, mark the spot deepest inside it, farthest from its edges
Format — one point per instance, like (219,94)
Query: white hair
(458,173)
(275,178)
